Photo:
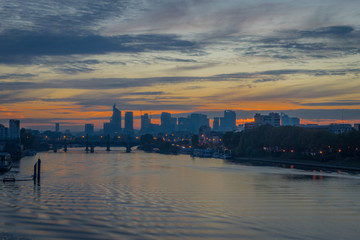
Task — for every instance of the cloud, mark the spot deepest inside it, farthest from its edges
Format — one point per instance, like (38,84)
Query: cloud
(266,80)
(74,70)
(324,42)
(331,104)
(328,32)
(125,83)
(169,59)
(17,76)
(145,93)
(21,47)
(58,16)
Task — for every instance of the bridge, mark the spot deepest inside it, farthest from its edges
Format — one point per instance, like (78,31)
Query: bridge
(89,143)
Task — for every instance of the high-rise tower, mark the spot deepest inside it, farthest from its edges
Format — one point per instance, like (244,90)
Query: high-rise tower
(115,120)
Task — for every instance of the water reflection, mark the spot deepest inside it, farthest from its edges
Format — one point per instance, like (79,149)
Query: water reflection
(113,195)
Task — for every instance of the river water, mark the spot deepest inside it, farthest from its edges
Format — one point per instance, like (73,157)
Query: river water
(118,195)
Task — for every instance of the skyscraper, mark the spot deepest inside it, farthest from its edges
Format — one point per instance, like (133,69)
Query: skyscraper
(216,124)
(228,122)
(89,128)
(168,123)
(115,120)
(145,122)
(3,132)
(197,120)
(129,122)
(183,124)
(57,127)
(14,129)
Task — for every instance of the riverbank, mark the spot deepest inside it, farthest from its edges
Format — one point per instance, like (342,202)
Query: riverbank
(336,166)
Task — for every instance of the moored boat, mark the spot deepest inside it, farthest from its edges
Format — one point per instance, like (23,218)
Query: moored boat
(5,162)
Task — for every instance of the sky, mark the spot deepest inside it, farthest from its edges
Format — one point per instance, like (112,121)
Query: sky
(70,61)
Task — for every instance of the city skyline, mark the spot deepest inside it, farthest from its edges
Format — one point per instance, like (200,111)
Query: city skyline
(167,123)
(69,62)
(115,120)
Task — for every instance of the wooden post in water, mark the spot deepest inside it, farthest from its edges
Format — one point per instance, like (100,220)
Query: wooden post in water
(35,167)
(108,143)
(39,168)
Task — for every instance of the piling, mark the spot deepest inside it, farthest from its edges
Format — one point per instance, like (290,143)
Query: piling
(37,170)
(35,166)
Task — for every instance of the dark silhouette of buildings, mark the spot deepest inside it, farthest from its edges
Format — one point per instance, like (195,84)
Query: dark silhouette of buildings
(168,123)
(272,118)
(216,124)
(114,126)
(89,129)
(115,120)
(129,122)
(145,123)
(14,129)
(289,121)
(228,122)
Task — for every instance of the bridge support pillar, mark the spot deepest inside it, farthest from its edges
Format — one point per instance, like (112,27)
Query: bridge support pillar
(128,149)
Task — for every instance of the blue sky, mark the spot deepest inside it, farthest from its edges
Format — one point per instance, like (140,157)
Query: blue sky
(69,61)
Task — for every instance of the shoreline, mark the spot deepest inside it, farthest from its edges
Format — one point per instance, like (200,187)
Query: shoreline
(298,164)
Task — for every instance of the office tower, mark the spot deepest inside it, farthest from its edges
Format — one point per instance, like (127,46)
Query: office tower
(228,122)
(272,119)
(3,132)
(89,128)
(183,124)
(57,127)
(216,124)
(107,128)
(196,120)
(115,120)
(14,129)
(129,122)
(289,121)
(145,122)
(168,124)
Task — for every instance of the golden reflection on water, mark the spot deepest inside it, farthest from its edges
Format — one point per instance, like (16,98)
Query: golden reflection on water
(136,195)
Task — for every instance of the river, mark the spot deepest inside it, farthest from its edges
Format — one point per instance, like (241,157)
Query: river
(118,195)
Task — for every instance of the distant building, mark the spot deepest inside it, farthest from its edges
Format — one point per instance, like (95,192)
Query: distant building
(168,123)
(272,119)
(183,124)
(334,128)
(115,120)
(57,127)
(129,122)
(228,122)
(289,121)
(197,120)
(145,123)
(3,132)
(114,126)
(14,129)
(340,128)
(250,125)
(192,123)
(357,126)
(216,124)
(89,128)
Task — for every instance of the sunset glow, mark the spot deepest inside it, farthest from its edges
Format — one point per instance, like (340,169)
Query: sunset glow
(71,66)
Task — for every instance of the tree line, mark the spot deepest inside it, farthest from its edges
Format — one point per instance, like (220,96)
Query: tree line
(293,142)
